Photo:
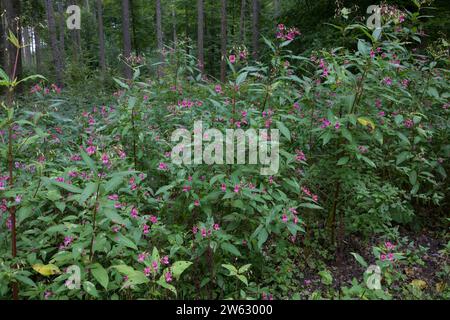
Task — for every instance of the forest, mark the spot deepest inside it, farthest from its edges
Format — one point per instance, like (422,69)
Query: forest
(224,150)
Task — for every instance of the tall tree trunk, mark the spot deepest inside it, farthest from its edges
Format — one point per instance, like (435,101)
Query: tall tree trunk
(242,23)
(101,37)
(200,35)
(159,35)
(62,28)
(54,42)
(133,27)
(2,41)
(255,27)
(126,36)
(174,27)
(37,49)
(223,40)
(277,7)
(12,8)
(26,51)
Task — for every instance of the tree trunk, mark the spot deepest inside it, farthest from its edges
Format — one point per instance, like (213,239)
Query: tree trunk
(62,28)
(200,36)
(101,37)
(255,27)
(223,42)
(12,8)
(2,41)
(126,37)
(277,6)
(54,42)
(133,28)
(242,23)
(159,35)
(174,28)
(37,49)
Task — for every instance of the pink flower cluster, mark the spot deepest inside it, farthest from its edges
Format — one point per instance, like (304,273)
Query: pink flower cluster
(284,33)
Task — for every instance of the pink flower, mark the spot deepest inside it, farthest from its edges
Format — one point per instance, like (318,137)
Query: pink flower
(165,260)
(197,203)
(194,229)
(216,226)
(203,232)
(153,219)
(146,229)
(105,159)
(236,188)
(163,166)
(232,58)
(18,199)
(223,187)
(91,150)
(147,271)
(337,125)
(383,257)
(284,218)
(390,256)
(113,197)
(155,265)
(142,256)
(134,213)
(387,81)
(168,276)
(218,89)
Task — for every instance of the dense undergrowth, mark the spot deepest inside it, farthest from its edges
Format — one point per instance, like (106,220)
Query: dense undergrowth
(363,158)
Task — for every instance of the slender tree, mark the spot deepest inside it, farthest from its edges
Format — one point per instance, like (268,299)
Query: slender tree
(223,38)
(255,28)
(126,36)
(62,28)
(277,7)
(159,35)
(200,35)
(242,22)
(37,49)
(54,42)
(101,37)
(174,27)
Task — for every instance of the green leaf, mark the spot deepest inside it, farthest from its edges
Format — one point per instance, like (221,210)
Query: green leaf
(162,282)
(326,276)
(231,248)
(87,160)
(68,187)
(121,239)
(284,130)
(243,279)
(244,268)
(262,237)
(89,287)
(231,268)
(101,275)
(342,161)
(90,188)
(413,177)
(179,267)
(360,259)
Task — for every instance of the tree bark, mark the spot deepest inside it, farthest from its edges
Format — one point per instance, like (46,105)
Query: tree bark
(223,42)
(200,35)
(277,6)
(242,23)
(126,37)
(37,49)
(159,36)
(174,28)
(255,27)
(54,42)
(101,37)
(62,28)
